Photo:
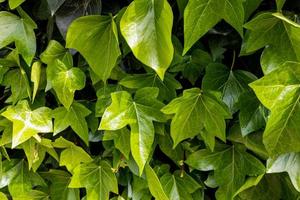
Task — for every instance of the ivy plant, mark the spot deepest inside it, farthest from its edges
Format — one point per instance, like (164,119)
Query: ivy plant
(149,99)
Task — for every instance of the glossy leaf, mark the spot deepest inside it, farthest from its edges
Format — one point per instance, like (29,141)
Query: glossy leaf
(74,117)
(97,179)
(201,15)
(148,33)
(231,165)
(194,111)
(279,92)
(19,30)
(139,113)
(96,38)
(27,123)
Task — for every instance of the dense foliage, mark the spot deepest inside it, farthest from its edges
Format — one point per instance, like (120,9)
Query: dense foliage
(143,99)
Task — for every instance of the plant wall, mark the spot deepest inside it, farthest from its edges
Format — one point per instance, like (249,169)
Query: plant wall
(149,99)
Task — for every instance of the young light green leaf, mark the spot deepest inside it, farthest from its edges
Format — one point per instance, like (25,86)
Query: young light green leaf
(289,163)
(96,38)
(278,34)
(139,113)
(19,30)
(54,51)
(194,111)
(202,15)
(231,165)
(65,80)
(3,196)
(148,33)
(167,87)
(15,3)
(74,117)
(179,186)
(72,155)
(154,184)
(280,4)
(32,195)
(35,77)
(279,91)
(97,179)
(60,181)
(231,83)
(26,122)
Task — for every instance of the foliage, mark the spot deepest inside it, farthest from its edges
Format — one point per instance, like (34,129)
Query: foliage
(143,99)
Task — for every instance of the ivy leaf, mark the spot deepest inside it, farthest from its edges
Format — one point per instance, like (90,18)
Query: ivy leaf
(35,152)
(3,196)
(32,195)
(148,33)
(54,51)
(65,80)
(74,117)
(139,113)
(19,30)
(72,155)
(167,87)
(289,163)
(279,91)
(250,6)
(35,77)
(231,83)
(98,179)
(54,5)
(60,181)
(280,4)
(26,122)
(231,165)
(278,34)
(96,38)
(179,186)
(17,80)
(154,184)
(196,110)
(202,15)
(15,3)
(251,113)
(121,140)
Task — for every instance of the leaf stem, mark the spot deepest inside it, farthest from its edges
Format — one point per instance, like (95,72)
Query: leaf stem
(233,61)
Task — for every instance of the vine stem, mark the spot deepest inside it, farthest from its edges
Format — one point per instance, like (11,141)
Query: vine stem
(233,61)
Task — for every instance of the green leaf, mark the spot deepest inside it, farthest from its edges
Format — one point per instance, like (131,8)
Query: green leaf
(54,51)
(3,196)
(20,31)
(279,91)
(72,155)
(60,181)
(148,33)
(167,87)
(250,6)
(231,165)
(121,140)
(251,113)
(35,152)
(154,184)
(15,3)
(194,111)
(28,123)
(65,80)
(139,113)
(98,179)
(74,117)
(278,34)
(201,15)
(32,195)
(35,77)
(280,4)
(289,163)
(17,80)
(96,38)
(231,83)
(179,186)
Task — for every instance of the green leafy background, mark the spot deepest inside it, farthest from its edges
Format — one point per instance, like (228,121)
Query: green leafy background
(149,99)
